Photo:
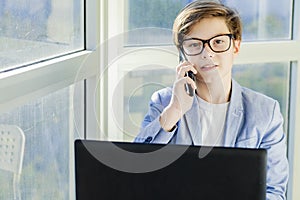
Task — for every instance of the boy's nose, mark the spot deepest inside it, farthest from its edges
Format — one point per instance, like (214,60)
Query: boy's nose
(207,52)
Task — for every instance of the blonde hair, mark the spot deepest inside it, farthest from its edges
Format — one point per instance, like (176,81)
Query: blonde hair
(197,10)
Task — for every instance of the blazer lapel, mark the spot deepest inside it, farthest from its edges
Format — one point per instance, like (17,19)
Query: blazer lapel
(192,123)
(234,116)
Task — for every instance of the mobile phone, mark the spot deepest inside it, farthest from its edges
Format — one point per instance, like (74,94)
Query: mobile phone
(188,88)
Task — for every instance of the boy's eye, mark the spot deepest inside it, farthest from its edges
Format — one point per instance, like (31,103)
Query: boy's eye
(194,45)
(218,41)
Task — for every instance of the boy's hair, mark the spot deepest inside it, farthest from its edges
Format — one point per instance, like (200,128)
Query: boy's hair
(198,10)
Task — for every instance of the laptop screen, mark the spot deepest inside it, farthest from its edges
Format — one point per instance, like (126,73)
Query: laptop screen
(116,170)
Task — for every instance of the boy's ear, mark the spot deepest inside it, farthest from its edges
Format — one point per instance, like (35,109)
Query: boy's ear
(236,46)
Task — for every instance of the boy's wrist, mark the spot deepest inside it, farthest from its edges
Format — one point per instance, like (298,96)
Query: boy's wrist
(168,119)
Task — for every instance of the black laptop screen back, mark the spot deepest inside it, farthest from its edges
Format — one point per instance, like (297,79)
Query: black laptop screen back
(224,173)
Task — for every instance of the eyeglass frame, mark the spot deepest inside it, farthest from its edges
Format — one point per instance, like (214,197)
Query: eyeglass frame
(208,42)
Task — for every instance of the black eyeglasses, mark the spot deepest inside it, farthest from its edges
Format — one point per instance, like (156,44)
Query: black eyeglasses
(218,44)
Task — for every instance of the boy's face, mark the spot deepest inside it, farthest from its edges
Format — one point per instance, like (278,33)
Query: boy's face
(211,65)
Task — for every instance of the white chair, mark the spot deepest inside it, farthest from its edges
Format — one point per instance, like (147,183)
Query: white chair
(12,142)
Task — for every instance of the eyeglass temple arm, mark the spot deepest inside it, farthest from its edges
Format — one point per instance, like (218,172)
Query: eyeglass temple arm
(182,56)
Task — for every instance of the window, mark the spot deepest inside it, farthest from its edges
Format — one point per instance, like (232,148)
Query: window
(142,58)
(262,20)
(39,66)
(138,86)
(35,30)
(136,81)
(43,50)
(50,127)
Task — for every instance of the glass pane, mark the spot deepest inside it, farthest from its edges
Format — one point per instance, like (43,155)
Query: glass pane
(160,14)
(49,133)
(35,30)
(139,86)
(262,20)
(271,79)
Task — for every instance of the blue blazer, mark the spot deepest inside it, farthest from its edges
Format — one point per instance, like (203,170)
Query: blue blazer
(253,121)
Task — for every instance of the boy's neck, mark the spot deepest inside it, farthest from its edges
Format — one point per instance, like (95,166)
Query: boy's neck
(216,92)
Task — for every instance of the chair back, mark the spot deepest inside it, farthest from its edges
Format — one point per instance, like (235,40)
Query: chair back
(12,142)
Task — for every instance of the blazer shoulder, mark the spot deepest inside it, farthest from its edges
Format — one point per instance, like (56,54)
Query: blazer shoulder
(254,96)
(162,96)
(257,102)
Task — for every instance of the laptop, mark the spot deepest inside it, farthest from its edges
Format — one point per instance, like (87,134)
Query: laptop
(134,171)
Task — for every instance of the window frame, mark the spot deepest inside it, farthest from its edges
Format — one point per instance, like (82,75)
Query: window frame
(294,112)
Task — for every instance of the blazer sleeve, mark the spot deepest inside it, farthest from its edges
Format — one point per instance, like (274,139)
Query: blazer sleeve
(274,141)
(151,130)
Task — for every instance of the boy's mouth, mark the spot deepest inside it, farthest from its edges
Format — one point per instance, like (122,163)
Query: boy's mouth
(208,67)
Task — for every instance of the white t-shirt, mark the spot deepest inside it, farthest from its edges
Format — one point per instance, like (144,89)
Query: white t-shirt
(212,120)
